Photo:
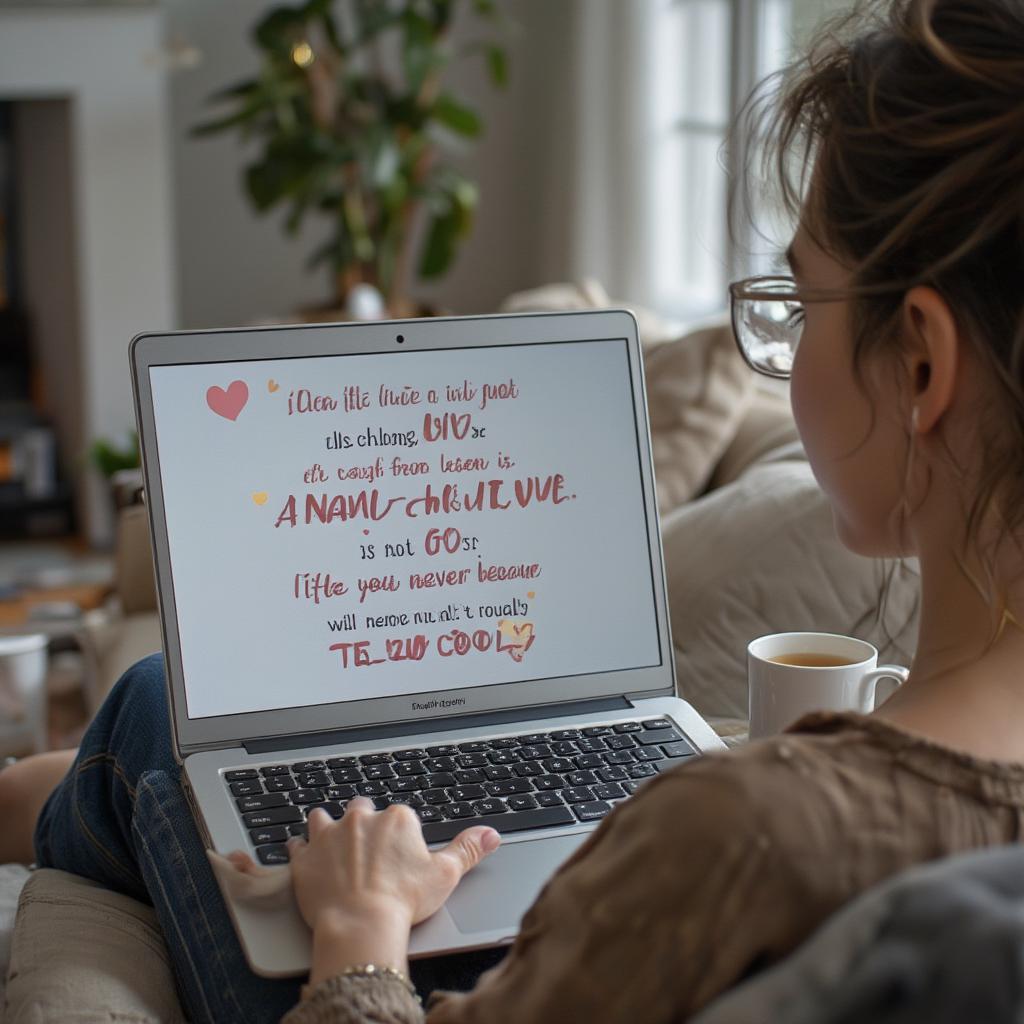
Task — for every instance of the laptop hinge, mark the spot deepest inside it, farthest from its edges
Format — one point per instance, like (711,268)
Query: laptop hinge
(482,720)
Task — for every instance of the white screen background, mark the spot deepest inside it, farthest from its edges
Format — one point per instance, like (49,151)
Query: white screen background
(248,644)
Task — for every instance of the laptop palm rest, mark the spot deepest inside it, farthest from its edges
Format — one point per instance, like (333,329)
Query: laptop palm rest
(497,892)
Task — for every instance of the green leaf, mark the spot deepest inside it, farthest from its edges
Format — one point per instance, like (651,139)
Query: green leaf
(458,118)
(276,32)
(236,91)
(497,66)
(439,245)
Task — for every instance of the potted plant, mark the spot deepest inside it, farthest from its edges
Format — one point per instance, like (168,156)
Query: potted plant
(354,122)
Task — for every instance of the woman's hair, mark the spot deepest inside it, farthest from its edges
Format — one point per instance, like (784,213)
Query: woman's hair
(911,115)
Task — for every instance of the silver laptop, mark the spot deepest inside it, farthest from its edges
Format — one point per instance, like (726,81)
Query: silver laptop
(417,561)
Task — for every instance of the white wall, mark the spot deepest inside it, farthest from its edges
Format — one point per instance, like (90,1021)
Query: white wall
(235,266)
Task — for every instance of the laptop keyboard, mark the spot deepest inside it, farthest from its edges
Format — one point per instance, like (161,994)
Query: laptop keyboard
(511,783)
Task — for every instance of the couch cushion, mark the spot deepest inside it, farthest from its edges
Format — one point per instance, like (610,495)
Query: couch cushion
(83,953)
(698,387)
(761,556)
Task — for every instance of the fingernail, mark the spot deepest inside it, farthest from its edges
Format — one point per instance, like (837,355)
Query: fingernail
(490,841)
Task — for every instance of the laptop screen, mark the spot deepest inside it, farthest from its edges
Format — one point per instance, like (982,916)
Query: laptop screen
(349,527)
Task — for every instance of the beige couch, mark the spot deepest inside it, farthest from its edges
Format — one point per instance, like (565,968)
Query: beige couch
(749,549)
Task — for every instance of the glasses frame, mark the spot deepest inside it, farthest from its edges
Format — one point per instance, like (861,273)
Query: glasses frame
(787,291)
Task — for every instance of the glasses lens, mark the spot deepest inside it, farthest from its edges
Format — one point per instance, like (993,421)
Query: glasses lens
(769,328)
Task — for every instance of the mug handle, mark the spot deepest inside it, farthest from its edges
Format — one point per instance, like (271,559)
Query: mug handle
(869,681)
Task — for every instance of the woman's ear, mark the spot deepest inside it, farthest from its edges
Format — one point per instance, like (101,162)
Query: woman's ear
(931,354)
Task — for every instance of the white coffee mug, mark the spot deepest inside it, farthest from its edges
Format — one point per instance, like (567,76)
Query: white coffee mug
(22,694)
(839,673)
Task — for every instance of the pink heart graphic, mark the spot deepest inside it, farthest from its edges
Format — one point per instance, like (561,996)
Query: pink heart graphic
(228,403)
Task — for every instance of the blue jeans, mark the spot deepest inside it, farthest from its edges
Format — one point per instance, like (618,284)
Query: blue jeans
(120,818)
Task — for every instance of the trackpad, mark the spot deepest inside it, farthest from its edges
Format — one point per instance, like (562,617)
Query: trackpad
(497,893)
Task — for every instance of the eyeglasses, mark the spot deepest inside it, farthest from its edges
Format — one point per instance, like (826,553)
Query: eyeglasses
(767,321)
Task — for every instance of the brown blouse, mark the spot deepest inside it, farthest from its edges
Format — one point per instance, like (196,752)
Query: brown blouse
(714,870)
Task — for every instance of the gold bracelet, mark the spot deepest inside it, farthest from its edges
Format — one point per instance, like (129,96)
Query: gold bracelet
(373,971)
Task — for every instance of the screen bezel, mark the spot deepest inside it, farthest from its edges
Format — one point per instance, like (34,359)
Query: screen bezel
(300,341)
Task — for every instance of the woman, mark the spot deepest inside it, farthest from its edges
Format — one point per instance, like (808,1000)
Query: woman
(908,390)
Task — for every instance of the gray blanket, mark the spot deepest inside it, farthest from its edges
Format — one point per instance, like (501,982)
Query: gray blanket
(939,944)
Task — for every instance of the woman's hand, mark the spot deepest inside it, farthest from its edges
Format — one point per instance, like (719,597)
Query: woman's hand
(366,879)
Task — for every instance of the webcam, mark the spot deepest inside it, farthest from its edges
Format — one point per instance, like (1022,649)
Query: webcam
(400,339)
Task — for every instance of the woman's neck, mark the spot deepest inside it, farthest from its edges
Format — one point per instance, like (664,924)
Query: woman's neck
(966,684)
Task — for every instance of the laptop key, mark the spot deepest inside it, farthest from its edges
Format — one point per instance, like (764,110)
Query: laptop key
(428,814)
(374,758)
(306,796)
(270,834)
(458,810)
(630,786)
(342,762)
(533,751)
(577,794)
(597,730)
(439,764)
(340,792)
(592,811)
(502,757)
(272,816)
(469,775)
(410,785)
(240,774)
(413,800)
(261,803)
(566,734)
(548,782)
(463,793)
(658,736)
(498,772)
(302,831)
(581,778)
(647,754)
(438,780)
(277,853)
(436,796)
(504,742)
(542,817)
(378,771)
(522,802)
(618,757)
(471,760)
(591,746)
(682,749)
(588,761)
(443,750)
(374,788)
(529,768)
(642,771)
(613,773)
(474,747)
(609,791)
(627,727)
(410,768)
(413,754)
(250,788)
(508,787)
(307,779)
(560,764)
(489,805)
(531,738)
(280,784)
(308,766)
(335,810)
(620,742)
(657,723)
(342,775)
(275,769)
(550,799)
(564,748)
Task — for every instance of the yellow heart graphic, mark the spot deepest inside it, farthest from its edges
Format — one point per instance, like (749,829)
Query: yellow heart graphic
(273,386)
(530,594)
(260,497)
